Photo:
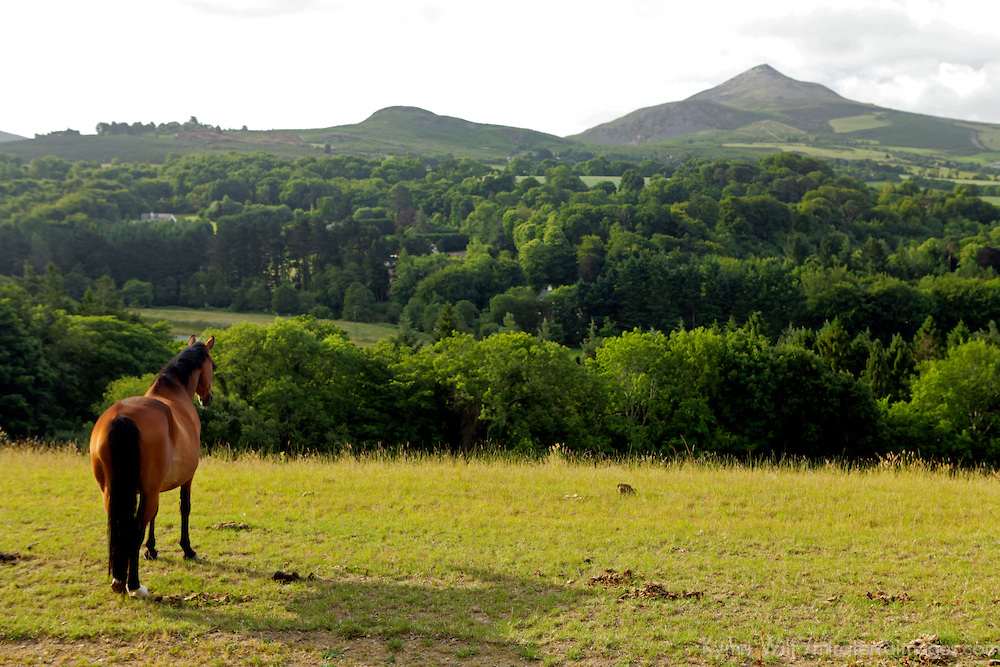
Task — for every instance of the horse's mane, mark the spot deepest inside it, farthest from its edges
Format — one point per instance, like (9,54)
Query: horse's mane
(184,364)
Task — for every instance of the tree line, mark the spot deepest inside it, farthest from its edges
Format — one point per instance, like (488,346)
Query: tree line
(299,385)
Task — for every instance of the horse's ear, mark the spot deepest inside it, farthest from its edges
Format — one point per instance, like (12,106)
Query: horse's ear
(210,342)
(191,341)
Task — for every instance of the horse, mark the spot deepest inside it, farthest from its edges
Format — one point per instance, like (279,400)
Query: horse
(145,445)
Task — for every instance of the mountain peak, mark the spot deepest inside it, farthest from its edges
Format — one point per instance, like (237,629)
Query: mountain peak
(763,87)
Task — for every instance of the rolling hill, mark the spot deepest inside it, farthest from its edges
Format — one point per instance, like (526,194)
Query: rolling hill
(758,112)
(423,132)
(390,131)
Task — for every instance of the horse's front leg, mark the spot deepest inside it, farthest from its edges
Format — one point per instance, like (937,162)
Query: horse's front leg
(151,552)
(185,512)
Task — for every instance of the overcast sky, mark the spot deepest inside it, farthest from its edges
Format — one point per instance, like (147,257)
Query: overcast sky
(557,66)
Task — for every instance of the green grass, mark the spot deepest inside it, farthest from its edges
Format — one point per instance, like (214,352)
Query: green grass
(989,136)
(857,123)
(187,321)
(825,151)
(490,560)
(149,148)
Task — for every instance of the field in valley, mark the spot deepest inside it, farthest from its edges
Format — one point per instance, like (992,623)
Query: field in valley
(186,321)
(434,560)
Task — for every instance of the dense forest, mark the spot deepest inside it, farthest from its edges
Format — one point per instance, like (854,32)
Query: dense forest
(779,307)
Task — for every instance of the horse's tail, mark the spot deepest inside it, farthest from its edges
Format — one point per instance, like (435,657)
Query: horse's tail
(123,447)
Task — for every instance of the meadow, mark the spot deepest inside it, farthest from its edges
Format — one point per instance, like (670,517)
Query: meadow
(186,321)
(432,560)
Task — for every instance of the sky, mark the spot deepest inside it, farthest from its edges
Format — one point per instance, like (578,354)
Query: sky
(556,66)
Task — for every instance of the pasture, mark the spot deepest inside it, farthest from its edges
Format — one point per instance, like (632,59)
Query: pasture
(857,123)
(185,321)
(869,151)
(493,561)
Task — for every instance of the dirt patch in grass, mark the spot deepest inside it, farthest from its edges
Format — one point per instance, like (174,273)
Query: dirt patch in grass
(611,579)
(886,598)
(654,591)
(230,525)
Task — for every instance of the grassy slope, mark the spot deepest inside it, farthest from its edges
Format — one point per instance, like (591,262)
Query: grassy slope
(409,130)
(153,149)
(385,133)
(187,321)
(489,562)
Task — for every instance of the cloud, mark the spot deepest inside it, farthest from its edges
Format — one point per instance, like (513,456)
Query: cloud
(252,8)
(909,56)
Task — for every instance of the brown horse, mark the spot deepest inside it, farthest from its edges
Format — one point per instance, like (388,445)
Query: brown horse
(143,446)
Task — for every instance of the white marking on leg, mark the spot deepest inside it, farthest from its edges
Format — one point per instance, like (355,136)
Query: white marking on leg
(140,592)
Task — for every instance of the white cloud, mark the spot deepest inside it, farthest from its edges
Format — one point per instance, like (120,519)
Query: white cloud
(252,8)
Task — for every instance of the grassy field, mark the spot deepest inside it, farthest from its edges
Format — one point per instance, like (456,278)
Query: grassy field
(820,151)
(187,321)
(857,123)
(437,560)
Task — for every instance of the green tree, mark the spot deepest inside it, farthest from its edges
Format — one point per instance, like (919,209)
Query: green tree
(28,403)
(516,390)
(102,299)
(137,293)
(446,323)
(359,303)
(519,303)
(632,181)
(833,345)
(632,369)
(88,352)
(927,343)
(285,299)
(961,394)
(303,377)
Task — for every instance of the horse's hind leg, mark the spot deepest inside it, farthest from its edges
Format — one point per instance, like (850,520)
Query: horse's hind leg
(185,512)
(134,588)
(151,551)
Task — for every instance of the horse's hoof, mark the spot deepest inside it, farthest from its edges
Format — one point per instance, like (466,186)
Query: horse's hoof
(140,592)
(190,554)
(117,586)
(151,554)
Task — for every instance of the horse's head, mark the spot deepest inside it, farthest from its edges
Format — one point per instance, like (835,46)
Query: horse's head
(204,388)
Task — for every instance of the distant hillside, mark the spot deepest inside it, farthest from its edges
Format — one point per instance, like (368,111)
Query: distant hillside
(759,94)
(674,119)
(391,131)
(397,130)
(762,108)
(6,136)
